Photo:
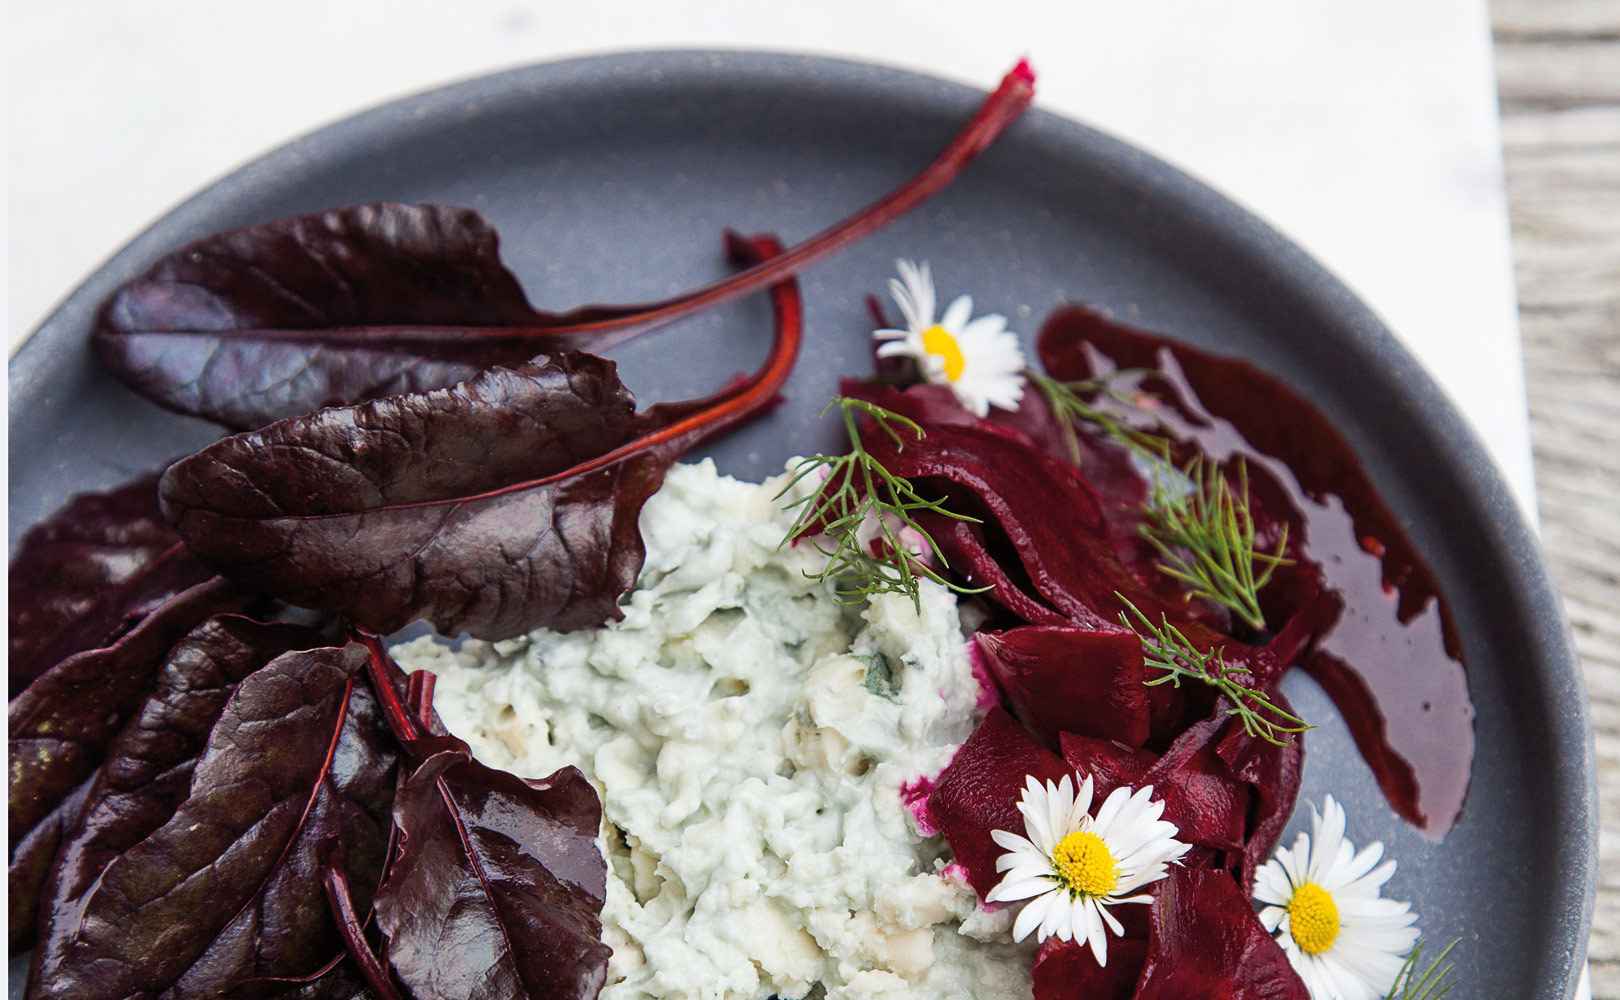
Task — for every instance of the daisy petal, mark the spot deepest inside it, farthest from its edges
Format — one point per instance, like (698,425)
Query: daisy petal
(1095,935)
(1031,915)
(1009,890)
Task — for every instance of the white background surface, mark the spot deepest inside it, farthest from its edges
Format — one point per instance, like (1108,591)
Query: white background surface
(1366,131)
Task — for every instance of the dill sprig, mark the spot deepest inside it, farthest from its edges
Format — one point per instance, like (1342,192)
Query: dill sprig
(857,490)
(1070,405)
(1202,528)
(1432,984)
(1204,534)
(1167,649)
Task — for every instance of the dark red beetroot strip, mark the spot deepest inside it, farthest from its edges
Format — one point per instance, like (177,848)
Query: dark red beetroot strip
(729,407)
(336,884)
(1278,657)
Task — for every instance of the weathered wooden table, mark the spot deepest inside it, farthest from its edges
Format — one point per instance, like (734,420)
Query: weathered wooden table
(1558,67)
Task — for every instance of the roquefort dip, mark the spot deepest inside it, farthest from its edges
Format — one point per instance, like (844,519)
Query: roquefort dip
(750,738)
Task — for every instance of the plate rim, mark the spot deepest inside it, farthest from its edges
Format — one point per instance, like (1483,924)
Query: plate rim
(1508,529)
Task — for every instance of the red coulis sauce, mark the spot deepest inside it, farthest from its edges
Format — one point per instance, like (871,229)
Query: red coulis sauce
(1390,658)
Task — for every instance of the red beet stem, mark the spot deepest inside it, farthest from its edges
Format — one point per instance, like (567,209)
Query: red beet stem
(338,896)
(419,692)
(1004,105)
(602,326)
(377,661)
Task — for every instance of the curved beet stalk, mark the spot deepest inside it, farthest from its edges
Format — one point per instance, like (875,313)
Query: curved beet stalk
(1003,107)
(336,883)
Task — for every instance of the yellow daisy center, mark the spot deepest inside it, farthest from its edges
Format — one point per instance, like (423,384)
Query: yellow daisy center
(1085,864)
(1313,919)
(941,343)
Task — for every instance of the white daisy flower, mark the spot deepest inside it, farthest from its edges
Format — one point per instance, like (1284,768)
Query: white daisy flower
(1072,866)
(1321,900)
(978,358)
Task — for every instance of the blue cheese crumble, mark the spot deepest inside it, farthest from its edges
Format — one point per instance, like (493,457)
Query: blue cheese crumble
(750,737)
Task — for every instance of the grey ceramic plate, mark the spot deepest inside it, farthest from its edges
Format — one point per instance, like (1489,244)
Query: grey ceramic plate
(611,178)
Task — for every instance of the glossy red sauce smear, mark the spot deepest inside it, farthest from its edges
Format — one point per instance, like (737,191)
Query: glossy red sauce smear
(1390,660)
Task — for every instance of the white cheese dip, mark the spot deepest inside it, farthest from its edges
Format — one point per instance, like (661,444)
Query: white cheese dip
(749,737)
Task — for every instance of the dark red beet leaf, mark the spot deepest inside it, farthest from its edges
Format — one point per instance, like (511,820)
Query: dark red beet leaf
(89,573)
(148,767)
(498,886)
(231,327)
(265,323)
(340,983)
(1205,941)
(59,729)
(339,895)
(30,868)
(228,890)
(493,507)
(389,511)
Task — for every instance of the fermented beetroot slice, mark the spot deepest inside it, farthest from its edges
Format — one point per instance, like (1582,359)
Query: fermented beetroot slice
(1106,467)
(1391,660)
(1072,679)
(1205,941)
(979,791)
(1066,970)
(968,557)
(1048,515)
(1208,806)
(1051,520)
(1275,774)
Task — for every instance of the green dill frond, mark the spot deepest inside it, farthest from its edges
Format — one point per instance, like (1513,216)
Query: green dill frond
(857,490)
(1070,404)
(1166,649)
(1433,983)
(1201,527)
(1203,531)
